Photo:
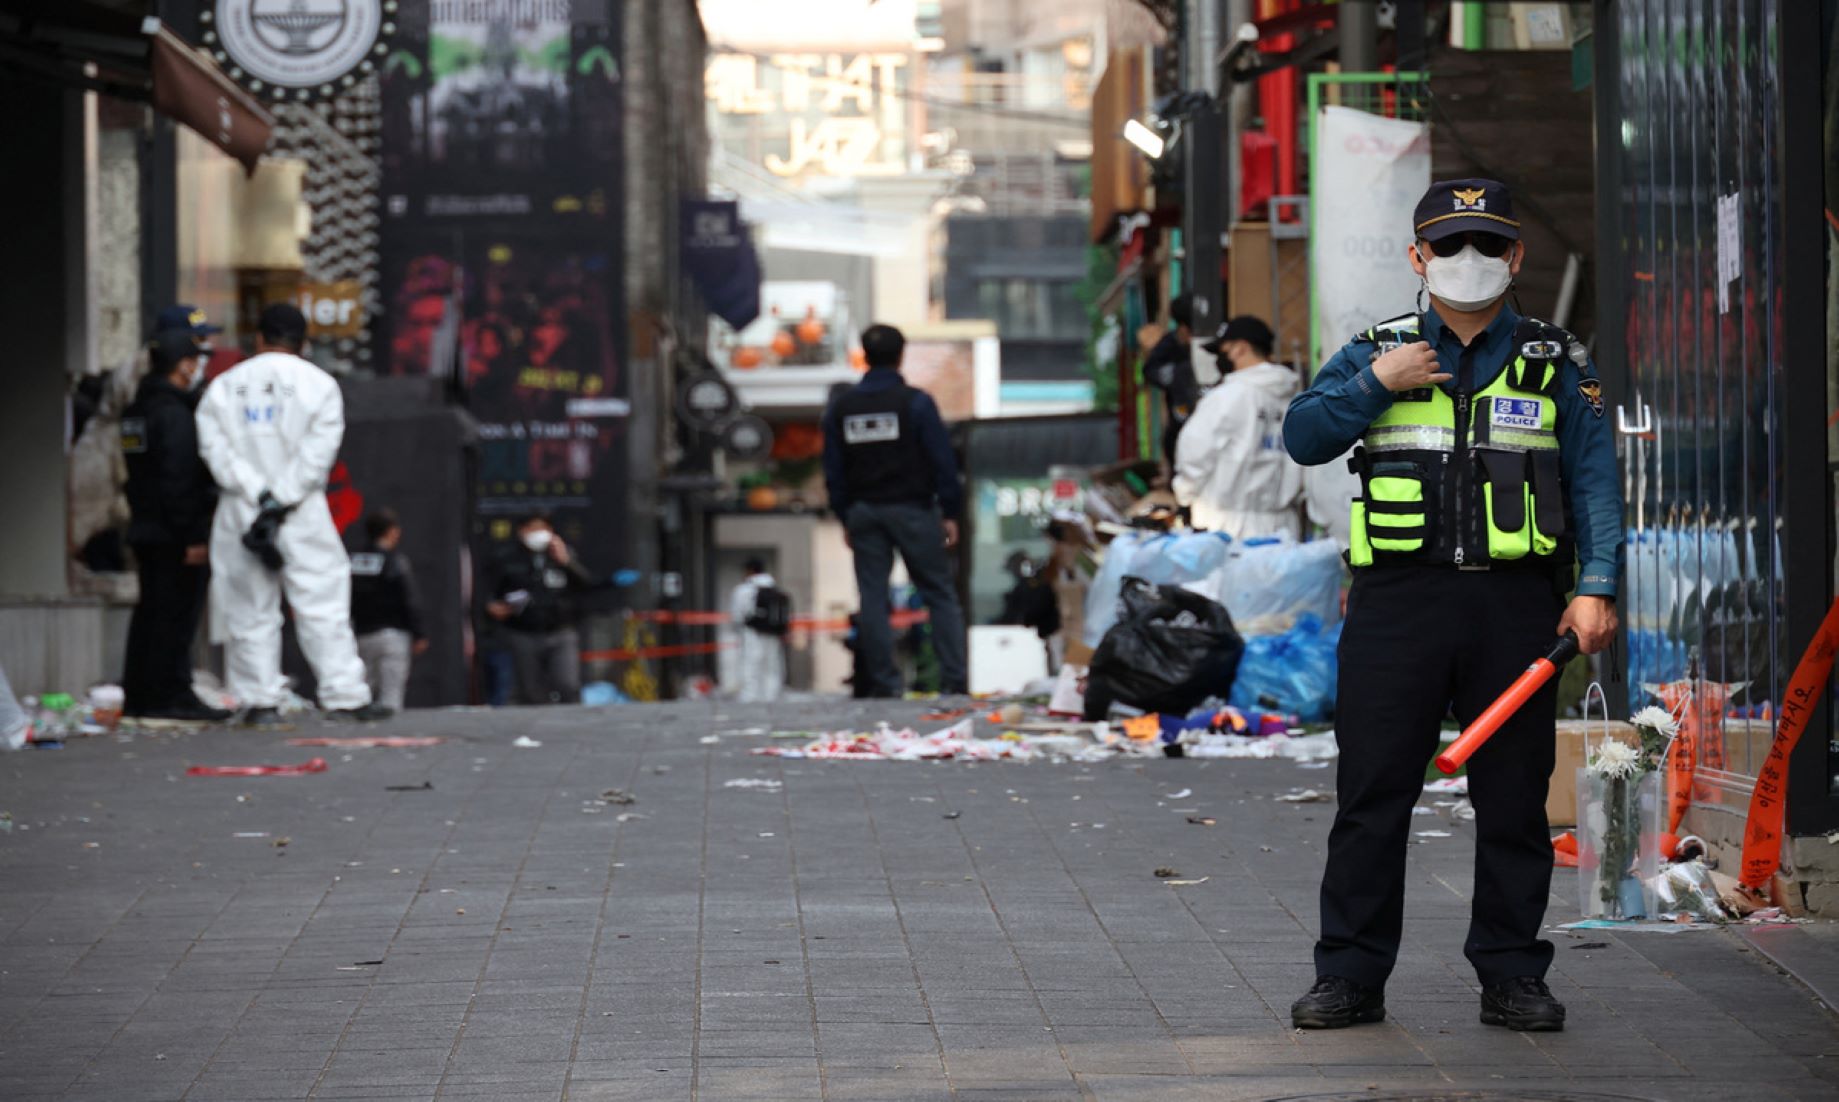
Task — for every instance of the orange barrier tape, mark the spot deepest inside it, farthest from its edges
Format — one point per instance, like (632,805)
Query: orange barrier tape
(905,618)
(627,654)
(1762,833)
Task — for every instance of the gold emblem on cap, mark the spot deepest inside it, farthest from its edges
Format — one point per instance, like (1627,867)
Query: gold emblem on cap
(1470,197)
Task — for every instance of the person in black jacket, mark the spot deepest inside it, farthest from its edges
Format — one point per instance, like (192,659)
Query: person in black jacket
(385,612)
(171,498)
(1169,367)
(535,595)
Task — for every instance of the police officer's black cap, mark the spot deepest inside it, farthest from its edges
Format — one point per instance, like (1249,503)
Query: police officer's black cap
(183,316)
(283,323)
(1466,206)
(1242,328)
(169,346)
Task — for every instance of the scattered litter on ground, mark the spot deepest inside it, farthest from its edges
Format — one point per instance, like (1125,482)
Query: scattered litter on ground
(628,816)
(1165,872)
(618,796)
(1423,811)
(250,834)
(1304,796)
(1182,795)
(1464,811)
(709,740)
(753,782)
(525,742)
(425,786)
(1457,785)
(1434,834)
(6,822)
(1201,820)
(281,842)
(1301,748)
(954,743)
(1591,945)
(1636,927)
(1185,883)
(368,742)
(311,765)
(953,814)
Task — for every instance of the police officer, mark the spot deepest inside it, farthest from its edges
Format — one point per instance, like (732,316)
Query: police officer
(170,496)
(893,481)
(1487,473)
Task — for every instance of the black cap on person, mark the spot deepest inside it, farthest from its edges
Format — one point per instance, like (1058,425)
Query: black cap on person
(1465,206)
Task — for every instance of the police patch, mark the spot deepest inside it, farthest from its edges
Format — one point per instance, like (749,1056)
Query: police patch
(1591,391)
(1516,413)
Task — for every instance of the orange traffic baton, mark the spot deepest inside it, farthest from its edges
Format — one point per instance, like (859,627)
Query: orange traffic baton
(1506,704)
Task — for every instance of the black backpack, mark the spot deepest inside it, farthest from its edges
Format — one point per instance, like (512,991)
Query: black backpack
(772,612)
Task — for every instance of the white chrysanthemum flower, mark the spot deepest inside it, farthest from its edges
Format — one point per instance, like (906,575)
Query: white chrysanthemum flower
(1657,718)
(1615,760)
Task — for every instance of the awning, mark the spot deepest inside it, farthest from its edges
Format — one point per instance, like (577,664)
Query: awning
(115,48)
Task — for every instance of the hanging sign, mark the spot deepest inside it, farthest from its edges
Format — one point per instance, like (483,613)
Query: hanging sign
(706,400)
(298,49)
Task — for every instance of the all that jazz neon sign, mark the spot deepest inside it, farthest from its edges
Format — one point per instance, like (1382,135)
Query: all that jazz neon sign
(843,113)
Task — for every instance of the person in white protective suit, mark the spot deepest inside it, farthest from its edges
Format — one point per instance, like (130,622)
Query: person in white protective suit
(761,613)
(1231,470)
(269,429)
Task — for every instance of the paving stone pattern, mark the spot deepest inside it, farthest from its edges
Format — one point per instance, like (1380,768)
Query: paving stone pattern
(504,935)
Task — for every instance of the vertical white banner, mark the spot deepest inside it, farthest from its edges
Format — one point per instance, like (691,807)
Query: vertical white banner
(1369,173)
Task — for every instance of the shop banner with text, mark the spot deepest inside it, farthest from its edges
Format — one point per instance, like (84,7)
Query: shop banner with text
(1369,174)
(503,251)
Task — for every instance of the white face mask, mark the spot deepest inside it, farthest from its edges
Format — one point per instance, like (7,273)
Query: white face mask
(196,378)
(538,540)
(1468,280)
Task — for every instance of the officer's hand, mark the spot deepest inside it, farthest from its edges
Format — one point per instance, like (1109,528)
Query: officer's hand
(1594,621)
(420,646)
(1409,366)
(558,551)
(951,533)
(197,554)
(498,610)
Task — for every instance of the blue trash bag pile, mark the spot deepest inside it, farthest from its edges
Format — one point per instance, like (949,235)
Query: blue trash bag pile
(1290,674)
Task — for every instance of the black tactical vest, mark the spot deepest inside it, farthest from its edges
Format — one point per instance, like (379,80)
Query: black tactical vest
(882,458)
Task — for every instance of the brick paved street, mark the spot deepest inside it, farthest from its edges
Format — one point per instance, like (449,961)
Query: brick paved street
(845,931)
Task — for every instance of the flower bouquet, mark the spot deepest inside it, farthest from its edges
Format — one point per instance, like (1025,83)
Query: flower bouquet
(1618,819)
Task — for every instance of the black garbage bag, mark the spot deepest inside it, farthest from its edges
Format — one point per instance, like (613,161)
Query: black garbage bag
(1170,649)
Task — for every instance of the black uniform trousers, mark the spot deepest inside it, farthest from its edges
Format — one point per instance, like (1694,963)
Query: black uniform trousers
(1417,641)
(158,671)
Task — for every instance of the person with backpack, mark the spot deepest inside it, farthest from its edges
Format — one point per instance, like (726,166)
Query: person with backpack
(763,613)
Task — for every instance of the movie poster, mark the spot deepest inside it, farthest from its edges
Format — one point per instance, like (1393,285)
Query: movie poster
(503,256)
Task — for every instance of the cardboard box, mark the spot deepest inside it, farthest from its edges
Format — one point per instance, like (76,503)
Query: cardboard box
(1561,798)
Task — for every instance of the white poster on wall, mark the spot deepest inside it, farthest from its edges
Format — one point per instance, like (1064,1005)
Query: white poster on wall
(1369,173)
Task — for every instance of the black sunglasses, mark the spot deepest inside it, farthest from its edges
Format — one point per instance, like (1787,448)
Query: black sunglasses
(1487,244)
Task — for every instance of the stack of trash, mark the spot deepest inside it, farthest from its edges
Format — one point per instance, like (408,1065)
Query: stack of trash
(1176,617)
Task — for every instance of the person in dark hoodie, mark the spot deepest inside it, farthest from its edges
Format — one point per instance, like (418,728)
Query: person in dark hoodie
(535,595)
(171,498)
(385,612)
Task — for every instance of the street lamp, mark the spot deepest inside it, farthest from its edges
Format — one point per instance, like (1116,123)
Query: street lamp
(1145,139)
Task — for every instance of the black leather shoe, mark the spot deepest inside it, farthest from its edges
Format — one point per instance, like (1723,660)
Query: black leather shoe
(1336,1003)
(369,713)
(1523,1003)
(264,719)
(190,711)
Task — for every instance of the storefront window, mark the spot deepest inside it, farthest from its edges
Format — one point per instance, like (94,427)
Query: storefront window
(1700,168)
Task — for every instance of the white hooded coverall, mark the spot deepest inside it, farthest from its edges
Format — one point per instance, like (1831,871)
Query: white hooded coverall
(1231,469)
(762,659)
(274,423)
